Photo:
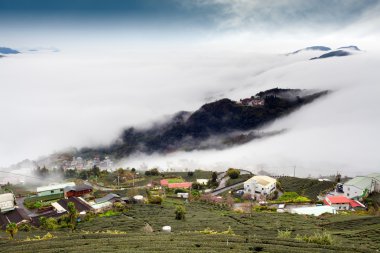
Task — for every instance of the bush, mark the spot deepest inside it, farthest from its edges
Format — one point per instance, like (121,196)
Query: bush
(152,172)
(118,207)
(265,208)
(284,234)
(292,197)
(147,228)
(155,200)
(25,227)
(323,238)
(180,212)
(233,173)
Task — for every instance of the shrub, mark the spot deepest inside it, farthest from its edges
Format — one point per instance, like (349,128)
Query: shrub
(324,238)
(89,216)
(292,197)
(147,228)
(12,229)
(25,227)
(233,173)
(155,200)
(152,172)
(284,234)
(118,207)
(180,212)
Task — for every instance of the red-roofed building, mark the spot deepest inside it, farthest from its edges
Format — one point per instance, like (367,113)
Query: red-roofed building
(183,185)
(164,182)
(342,202)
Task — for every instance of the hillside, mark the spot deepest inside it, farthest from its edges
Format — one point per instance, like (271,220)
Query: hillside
(123,233)
(217,125)
(310,188)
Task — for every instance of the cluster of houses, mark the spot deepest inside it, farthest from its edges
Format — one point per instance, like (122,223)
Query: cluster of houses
(79,163)
(259,187)
(252,101)
(65,192)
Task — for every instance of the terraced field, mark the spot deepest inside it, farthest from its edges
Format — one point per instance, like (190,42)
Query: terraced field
(310,188)
(351,233)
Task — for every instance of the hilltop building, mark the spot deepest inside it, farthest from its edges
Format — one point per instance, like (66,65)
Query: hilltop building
(360,187)
(262,185)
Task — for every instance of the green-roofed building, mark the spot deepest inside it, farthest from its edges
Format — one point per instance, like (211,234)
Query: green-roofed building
(361,186)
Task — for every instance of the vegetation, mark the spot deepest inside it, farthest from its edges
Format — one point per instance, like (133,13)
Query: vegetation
(12,229)
(241,178)
(309,188)
(72,215)
(292,197)
(122,232)
(180,212)
(233,173)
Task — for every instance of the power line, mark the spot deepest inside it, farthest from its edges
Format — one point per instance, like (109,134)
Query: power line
(19,174)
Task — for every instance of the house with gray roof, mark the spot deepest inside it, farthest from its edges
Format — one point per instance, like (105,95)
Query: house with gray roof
(361,186)
(7,202)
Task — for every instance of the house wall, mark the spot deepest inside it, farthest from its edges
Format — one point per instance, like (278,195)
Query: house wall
(252,187)
(351,191)
(50,192)
(342,206)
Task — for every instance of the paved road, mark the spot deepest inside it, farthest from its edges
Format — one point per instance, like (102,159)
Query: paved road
(223,178)
(216,192)
(20,204)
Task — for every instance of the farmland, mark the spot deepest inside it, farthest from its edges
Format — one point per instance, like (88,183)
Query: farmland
(252,233)
(310,188)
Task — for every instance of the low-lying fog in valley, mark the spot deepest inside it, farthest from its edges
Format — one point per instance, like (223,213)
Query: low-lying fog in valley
(64,100)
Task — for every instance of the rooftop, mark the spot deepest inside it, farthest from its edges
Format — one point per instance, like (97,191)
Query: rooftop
(314,210)
(263,180)
(106,198)
(54,186)
(17,215)
(180,185)
(80,204)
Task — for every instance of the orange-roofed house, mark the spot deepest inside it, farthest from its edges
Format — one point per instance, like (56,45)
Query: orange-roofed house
(183,185)
(342,202)
(164,182)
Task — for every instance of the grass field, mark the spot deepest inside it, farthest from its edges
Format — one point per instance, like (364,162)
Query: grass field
(310,188)
(351,233)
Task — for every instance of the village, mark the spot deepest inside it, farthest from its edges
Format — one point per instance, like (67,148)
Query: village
(50,207)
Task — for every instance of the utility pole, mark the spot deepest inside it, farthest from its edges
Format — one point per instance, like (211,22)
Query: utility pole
(294,171)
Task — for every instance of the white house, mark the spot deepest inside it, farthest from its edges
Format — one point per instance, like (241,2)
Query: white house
(202,181)
(359,187)
(7,202)
(263,185)
(53,189)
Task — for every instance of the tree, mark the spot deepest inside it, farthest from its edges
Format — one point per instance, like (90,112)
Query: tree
(190,173)
(133,170)
(214,177)
(180,212)
(152,172)
(233,173)
(12,229)
(73,215)
(95,171)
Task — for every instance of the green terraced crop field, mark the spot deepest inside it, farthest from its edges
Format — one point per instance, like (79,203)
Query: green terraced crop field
(252,233)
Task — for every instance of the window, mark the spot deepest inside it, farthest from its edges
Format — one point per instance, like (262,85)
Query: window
(61,190)
(348,188)
(348,194)
(51,191)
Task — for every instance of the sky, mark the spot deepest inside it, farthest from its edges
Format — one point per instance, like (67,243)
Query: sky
(99,66)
